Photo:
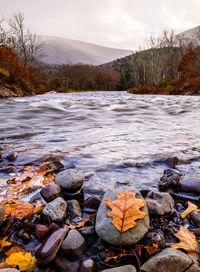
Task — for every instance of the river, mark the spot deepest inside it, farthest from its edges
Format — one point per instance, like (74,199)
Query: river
(121,138)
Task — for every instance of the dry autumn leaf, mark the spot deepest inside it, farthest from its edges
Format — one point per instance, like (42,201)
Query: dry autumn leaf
(191,207)
(4,243)
(152,249)
(187,242)
(125,210)
(12,250)
(24,260)
(80,223)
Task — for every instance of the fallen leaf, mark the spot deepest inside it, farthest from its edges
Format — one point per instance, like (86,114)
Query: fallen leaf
(80,223)
(117,257)
(4,243)
(187,242)
(12,250)
(125,210)
(24,260)
(20,209)
(152,249)
(191,207)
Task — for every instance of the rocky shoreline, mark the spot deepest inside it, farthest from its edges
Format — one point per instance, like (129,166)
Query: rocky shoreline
(46,213)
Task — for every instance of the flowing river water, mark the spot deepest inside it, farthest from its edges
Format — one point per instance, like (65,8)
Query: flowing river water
(121,138)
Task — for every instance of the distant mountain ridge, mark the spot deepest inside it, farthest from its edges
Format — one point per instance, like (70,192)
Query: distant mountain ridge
(190,33)
(60,50)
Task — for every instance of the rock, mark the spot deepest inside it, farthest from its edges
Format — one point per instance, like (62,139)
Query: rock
(70,179)
(74,244)
(50,192)
(8,169)
(12,156)
(63,265)
(159,203)
(170,180)
(106,230)
(74,210)
(87,266)
(190,185)
(47,252)
(41,230)
(195,217)
(2,214)
(124,268)
(55,210)
(171,162)
(93,202)
(155,236)
(9,270)
(53,227)
(170,260)
(89,174)
(87,230)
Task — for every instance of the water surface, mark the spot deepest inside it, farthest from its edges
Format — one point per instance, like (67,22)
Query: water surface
(103,131)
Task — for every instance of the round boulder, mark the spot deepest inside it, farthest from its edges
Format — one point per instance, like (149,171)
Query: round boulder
(109,233)
(70,179)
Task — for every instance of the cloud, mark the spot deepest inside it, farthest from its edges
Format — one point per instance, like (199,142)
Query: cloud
(115,23)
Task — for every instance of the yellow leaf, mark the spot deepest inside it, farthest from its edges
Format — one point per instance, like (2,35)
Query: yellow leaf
(125,210)
(4,243)
(13,249)
(191,207)
(24,260)
(187,242)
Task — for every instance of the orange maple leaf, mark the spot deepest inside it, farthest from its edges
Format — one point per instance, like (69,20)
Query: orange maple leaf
(191,207)
(187,242)
(4,243)
(125,210)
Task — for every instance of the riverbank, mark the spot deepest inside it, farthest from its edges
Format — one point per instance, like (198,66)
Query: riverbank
(50,221)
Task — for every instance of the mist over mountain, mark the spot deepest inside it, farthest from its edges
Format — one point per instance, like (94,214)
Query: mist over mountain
(191,34)
(60,50)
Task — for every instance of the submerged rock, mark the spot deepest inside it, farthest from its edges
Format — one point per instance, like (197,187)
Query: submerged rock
(107,231)
(47,252)
(170,260)
(55,210)
(12,156)
(124,268)
(70,179)
(159,203)
(74,244)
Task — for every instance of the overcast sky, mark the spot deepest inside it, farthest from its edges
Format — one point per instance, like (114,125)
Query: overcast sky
(114,23)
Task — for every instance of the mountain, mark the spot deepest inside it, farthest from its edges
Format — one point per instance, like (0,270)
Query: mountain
(59,50)
(190,33)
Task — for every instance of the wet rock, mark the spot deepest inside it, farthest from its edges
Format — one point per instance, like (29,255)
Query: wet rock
(12,156)
(124,268)
(89,175)
(70,179)
(92,202)
(50,192)
(47,252)
(170,180)
(106,230)
(190,185)
(195,217)
(86,231)
(55,210)
(74,210)
(41,231)
(155,237)
(74,244)
(171,162)
(170,260)
(8,169)
(53,227)
(87,266)
(26,236)
(2,214)
(63,265)
(159,203)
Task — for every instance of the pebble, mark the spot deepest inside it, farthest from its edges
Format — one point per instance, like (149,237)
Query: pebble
(195,217)
(74,210)
(51,191)
(86,231)
(87,266)
(64,265)
(55,210)
(170,260)
(159,203)
(70,179)
(8,169)
(12,156)
(74,244)
(107,231)
(92,202)
(47,252)
(124,268)
(41,231)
